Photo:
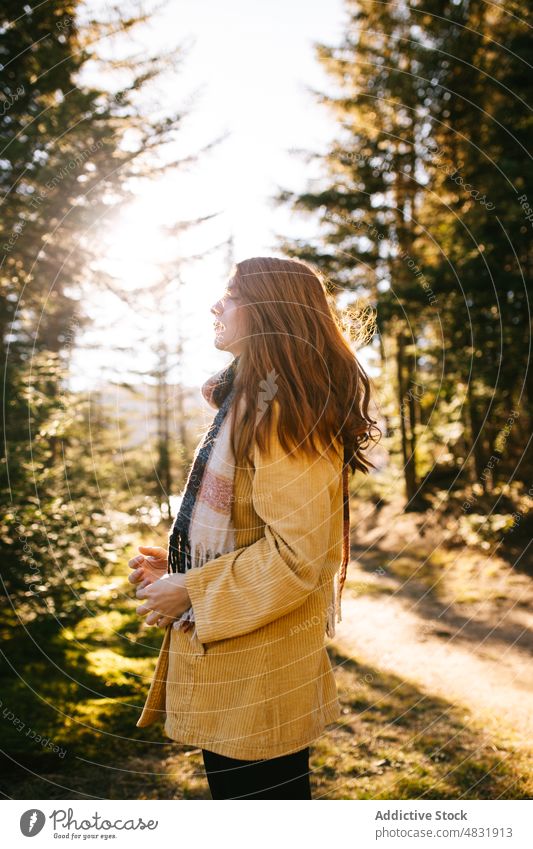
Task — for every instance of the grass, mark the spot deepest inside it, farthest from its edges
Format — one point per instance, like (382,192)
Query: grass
(396,742)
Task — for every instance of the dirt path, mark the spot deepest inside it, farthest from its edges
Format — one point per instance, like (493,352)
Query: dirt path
(483,662)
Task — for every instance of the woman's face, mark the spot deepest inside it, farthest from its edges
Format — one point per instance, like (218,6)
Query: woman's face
(229,321)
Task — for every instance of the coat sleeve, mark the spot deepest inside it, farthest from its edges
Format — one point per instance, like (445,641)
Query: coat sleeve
(246,589)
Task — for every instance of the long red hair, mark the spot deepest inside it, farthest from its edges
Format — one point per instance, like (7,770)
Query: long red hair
(296,351)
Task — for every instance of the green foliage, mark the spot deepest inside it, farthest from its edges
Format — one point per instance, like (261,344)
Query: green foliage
(60,479)
(420,215)
(70,152)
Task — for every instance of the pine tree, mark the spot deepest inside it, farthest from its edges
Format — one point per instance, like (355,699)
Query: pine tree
(368,204)
(70,151)
(480,168)
(419,212)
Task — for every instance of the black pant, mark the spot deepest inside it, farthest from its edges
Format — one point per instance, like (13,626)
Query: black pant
(286,777)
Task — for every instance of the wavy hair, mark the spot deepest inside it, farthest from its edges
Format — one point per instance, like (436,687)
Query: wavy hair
(295,351)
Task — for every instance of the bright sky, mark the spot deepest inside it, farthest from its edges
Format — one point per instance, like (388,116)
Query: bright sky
(250,64)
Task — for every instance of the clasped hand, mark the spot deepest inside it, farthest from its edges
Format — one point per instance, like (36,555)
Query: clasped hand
(165,595)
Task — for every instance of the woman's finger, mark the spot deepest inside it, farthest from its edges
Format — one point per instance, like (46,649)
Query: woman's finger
(154,551)
(136,561)
(135,577)
(153,617)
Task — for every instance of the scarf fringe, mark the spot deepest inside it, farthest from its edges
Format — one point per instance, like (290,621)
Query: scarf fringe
(181,555)
(335,609)
(179,551)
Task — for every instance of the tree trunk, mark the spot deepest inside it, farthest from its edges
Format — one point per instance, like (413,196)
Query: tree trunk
(408,435)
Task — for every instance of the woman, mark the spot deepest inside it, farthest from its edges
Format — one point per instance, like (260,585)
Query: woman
(258,552)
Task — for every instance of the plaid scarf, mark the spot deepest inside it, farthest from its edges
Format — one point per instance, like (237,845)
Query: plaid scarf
(203,528)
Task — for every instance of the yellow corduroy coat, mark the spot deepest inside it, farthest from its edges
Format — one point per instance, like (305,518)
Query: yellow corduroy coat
(254,680)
